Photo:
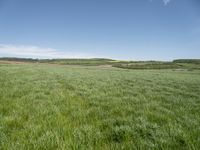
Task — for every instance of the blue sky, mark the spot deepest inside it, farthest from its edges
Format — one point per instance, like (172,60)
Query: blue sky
(118,29)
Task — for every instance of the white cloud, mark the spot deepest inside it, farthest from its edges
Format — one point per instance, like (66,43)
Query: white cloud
(166,1)
(37,52)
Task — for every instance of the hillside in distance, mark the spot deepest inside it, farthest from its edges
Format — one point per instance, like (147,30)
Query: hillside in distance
(175,64)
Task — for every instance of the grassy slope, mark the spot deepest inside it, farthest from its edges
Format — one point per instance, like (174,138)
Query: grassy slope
(49,107)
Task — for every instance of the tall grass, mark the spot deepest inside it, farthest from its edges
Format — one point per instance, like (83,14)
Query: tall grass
(58,107)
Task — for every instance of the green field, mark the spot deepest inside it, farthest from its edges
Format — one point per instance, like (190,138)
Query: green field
(82,107)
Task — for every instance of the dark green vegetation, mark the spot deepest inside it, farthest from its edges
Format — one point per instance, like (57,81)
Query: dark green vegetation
(149,65)
(192,61)
(61,107)
(190,64)
(157,65)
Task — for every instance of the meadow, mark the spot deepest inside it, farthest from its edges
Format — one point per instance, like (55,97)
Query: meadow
(45,106)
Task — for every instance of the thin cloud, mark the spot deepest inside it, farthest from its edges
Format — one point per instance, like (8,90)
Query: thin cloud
(166,2)
(37,52)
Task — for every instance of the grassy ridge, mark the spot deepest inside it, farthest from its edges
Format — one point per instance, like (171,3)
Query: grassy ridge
(86,62)
(157,65)
(191,61)
(149,65)
(48,107)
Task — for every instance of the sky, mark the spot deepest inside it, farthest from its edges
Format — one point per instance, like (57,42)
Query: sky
(117,29)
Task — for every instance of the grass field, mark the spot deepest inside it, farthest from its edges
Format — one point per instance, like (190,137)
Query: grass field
(62,107)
